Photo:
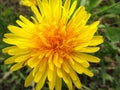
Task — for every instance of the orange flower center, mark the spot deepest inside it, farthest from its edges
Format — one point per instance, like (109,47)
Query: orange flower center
(53,38)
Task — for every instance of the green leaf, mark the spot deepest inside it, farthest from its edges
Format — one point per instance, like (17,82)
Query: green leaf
(113,33)
(93,3)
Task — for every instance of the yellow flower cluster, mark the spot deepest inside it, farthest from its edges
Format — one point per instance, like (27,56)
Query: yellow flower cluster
(56,45)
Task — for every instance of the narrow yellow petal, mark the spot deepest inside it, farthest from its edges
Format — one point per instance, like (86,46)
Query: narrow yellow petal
(72,8)
(77,18)
(72,73)
(77,83)
(96,40)
(21,43)
(17,66)
(37,13)
(88,72)
(56,60)
(59,72)
(43,65)
(82,45)
(77,67)
(77,59)
(5,50)
(50,74)
(33,61)
(57,10)
(38,76)
(89,58)
(58,84)
(41,81)
(89,49)
(22,58)
(67,5)
(26,21)
(34,20)
(65,67)
(18,51)
(20,23)
(35,70)
(67,80)
(75,78)
(50,63)
(53,81)
(93,28)
(70,59)
(29,79)
(10,60)
(85,64)
(41,71)
(19,31)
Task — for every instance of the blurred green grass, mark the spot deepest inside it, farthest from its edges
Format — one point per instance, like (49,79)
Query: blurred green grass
(107,72)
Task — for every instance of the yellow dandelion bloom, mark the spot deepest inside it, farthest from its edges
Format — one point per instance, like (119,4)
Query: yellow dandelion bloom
(28,2)
(56,45)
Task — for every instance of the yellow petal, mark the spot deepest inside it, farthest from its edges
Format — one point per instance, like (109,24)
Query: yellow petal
(67,80)
(59,72)
(21,43)
(22,58)
(17,66)
(77,67)
(53,81)
(37,13)
(35,70)
(77,18)
(41,81)
(50,63)
(26,21)
(96,40)
(67,5)
(56,60)
(10,60)
(82,45)
(5,50)
(29,79)
(58,84)
(18,51)
(88,72)
(89,58)
(70,59)
(89,49)
(19,31)
(57,10)
(77,59)
(32,62)
(20,23)
(65,67)
(28,3)
(93,28)
(50,74)
(75,78)
(72,8)
(41,71)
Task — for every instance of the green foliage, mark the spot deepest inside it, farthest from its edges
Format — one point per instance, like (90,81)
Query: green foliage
(107,73)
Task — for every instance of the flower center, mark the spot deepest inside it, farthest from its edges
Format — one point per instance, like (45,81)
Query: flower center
(53,38)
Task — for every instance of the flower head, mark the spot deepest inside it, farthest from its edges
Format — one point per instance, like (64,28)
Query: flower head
(56,45)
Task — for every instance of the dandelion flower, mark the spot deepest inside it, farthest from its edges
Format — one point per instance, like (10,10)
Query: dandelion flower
(56,45)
